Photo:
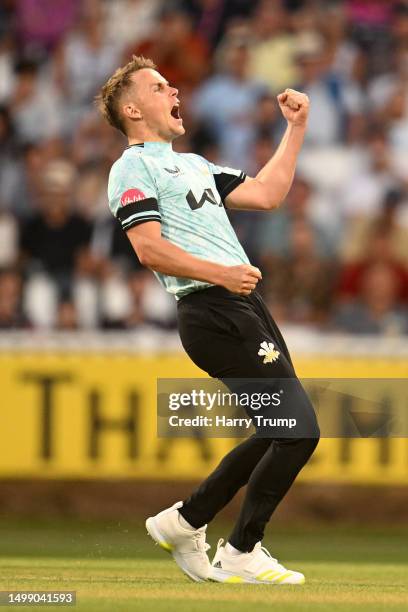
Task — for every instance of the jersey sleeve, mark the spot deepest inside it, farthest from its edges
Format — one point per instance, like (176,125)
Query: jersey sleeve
(226,179)
(133,196)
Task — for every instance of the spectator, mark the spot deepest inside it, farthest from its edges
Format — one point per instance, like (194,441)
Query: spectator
(178,51)
(130,21)
(82,62)
(333,100)
(24,190)
(9,231)
(95,142)
(249,225)
(11,314)
(299,287)
(377,249)
(267,123)
(376,309)
(41,26)
(225,101)
(396,116)
(149,304)
(399,26)
(276,230)
(381,89)
(53,237)
(9,174)
(366,190)
(35,106)
(90,191)
(345,58)
(212,18)
(273,50)
(6,63)
(67,316)
(370,22)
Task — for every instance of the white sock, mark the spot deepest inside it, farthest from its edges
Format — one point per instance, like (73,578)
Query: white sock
(184,523)
(232,551)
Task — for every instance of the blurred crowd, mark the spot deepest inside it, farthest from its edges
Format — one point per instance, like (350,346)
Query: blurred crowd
(334,256)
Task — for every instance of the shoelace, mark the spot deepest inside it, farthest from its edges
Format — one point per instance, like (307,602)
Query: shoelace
(268,554)
(199,538)
(258,548)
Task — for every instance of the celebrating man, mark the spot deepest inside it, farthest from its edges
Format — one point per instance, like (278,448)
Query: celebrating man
(172,207)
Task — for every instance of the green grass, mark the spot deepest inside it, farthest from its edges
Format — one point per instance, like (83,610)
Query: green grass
(114,567)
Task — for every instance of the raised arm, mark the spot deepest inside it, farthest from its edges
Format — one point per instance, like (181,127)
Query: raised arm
(160,255)
(271,185)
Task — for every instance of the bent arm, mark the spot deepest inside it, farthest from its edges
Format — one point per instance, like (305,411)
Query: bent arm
(271,185)
(163,256)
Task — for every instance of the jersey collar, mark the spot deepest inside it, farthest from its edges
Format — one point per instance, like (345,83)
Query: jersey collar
(153,146)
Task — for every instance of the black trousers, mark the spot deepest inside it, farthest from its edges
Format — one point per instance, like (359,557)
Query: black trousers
(222,332)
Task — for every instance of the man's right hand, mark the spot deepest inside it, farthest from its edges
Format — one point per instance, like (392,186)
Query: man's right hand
(241,279)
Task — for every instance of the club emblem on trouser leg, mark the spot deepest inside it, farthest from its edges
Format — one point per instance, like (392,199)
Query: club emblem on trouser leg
(268,352)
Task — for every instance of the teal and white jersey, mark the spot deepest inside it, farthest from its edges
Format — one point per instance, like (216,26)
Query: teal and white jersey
(185,193)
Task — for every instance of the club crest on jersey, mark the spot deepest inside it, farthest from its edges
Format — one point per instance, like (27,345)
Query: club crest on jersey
(176,171)
(131,195)
(268,352)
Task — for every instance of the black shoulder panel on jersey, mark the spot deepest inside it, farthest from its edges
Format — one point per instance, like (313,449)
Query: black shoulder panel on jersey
(227,182)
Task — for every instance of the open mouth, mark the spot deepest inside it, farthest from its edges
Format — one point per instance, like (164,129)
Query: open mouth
(175,111)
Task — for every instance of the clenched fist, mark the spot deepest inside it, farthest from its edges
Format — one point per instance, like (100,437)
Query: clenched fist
(241,279)
(294,106)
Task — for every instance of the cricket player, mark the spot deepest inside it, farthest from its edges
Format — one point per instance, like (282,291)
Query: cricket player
(172,208)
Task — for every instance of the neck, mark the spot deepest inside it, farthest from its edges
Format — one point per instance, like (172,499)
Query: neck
(146,135)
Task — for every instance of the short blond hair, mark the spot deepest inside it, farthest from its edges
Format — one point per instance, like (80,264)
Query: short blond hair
(109,95)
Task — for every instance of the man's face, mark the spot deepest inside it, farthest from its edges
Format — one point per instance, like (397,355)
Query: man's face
(155,106)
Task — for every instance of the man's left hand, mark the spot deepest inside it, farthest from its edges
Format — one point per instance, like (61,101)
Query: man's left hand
(294,106)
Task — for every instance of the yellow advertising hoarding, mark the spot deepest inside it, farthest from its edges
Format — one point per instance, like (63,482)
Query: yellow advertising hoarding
(93,415)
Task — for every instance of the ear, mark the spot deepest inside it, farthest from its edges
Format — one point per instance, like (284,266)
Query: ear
(131,111)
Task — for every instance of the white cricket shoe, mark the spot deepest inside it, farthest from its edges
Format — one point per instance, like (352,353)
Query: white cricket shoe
(256,566)
(189,548)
